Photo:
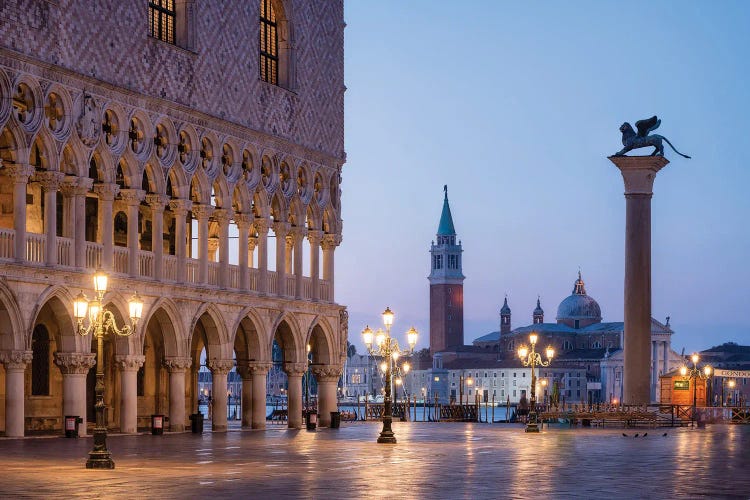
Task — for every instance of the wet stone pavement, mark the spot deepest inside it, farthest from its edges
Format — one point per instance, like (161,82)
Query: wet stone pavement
(446,460)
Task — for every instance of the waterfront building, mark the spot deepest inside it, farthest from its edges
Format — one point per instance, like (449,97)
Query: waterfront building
(193,151)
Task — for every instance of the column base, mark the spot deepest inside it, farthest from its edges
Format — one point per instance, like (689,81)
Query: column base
(219,428)
(532,425)
(100,460)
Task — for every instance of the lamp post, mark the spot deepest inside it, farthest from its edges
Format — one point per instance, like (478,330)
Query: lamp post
(729,383)
(533,358)
(100,323)
(387,348)
(694,374)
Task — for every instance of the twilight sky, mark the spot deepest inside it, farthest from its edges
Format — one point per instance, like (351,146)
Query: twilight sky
(516,105)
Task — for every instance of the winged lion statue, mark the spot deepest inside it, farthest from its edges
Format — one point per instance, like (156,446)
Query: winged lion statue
(641,139)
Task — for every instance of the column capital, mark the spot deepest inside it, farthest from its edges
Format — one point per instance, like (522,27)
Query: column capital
(15,360)
(106,191)
(202,211)
(177,365)
(129,362)
(315,236)
(281,229)
(75,362)
(243,220)
(639,172)
(157,201)
(180,207)
(213,244)
(331,241)
(261,225)
(297,233)
(295,369)
(50,181)
(258,367)
(75,186)
(243,368)
(220,366)
(223,215)
(327,373)
(19,172)
(252,242)
(132,196)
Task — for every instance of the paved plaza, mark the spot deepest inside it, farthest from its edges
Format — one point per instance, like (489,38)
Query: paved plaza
(430,461)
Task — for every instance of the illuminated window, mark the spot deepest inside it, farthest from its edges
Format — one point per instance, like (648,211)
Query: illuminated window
(161,19)
(269,43)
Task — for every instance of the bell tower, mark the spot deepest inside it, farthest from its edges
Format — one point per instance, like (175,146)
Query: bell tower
(446,286)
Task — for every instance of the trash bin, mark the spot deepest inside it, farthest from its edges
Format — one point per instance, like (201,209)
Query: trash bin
(196,423)
(157,425)
(311,419)
(335,419)
(71,425)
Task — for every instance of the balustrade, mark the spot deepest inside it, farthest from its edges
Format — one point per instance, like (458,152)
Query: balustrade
(35,247)
(64,257)
(146,264)
(213,273)
(120,260)
(7,240)
(93,255)
(170,268)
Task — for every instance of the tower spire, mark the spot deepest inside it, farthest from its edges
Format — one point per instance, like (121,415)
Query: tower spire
(445,228)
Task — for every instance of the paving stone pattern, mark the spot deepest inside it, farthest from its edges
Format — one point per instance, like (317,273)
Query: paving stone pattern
(430,461)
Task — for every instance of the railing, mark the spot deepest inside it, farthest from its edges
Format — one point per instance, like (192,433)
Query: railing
(63,251)
(7,243)
(191,271)
(325,291)
(272,283)
(35,247)
(146,264)
(120,259)
(291,285)
(234,277)
(214,269)
(93,255)
(169,268)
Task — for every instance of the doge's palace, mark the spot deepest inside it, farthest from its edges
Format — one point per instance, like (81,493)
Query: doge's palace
(174,144)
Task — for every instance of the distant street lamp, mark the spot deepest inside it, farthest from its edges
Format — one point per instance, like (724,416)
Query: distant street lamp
(100,323)
(532,359)
(696,374)
(731,384)
(387,348)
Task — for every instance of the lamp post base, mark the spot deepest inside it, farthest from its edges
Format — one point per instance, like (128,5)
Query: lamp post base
(532,425)
(386,435)
(100,460)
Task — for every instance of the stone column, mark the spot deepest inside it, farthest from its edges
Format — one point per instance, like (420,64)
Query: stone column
(638,173)
(157,202)
(654,368)
(298,237)
(19,174)
(244,221)
(15,364)
(133,199)
(202,213)
(106,193)
(219,370)
(223,216)
(177,368)
(243,368)
(328,378)
(329,244)
(665,361)
(315,237)
(50,182)
(294,372)
(180,209)
(280,230)
(83,186)
(259,372)
(67,188)
(75,367)
(129,366)
(261,227)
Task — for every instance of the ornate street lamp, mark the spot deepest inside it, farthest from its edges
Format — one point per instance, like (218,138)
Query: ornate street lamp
(533,358)
(387,348)
(696,374)
(100,323)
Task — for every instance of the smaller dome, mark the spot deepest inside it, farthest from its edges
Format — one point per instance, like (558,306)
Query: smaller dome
(505,309)
(578,305)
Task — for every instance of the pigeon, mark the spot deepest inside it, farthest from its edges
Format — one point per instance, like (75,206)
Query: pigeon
(624,435)
(636,435)
(664,435)
(645,434)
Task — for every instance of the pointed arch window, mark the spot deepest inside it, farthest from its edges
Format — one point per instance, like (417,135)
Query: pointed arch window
(269,43)
(161,20)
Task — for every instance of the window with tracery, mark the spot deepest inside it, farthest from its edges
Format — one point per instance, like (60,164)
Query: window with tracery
(269,43)
(161,20)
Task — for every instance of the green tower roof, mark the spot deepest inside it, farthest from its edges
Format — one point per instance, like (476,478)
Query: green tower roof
(446,220)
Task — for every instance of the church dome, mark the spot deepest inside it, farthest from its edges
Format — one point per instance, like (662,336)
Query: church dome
(579,306)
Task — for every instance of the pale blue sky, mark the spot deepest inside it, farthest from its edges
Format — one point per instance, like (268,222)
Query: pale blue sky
(516,105)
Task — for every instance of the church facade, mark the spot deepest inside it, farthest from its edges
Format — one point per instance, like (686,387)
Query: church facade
(193,151)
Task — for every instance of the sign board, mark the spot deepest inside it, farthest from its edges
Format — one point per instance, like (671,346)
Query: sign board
(732,373)
(593,386)
(681,385)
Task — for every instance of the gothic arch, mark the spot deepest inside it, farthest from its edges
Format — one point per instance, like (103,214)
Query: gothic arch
(322,341)
(73,160)
(105,164)
(200,190)
(165,313)
(286,332)
(179,182)
(249,343)
(216,335)
(60,302)
(13,148)
(10,316)
(44,144)
(221,193)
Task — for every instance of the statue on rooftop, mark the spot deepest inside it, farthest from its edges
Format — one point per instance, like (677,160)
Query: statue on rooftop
(635,140)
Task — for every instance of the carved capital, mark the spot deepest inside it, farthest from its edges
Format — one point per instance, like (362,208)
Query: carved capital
(639,172)
(75,362)
(180,207)
(314,236)
(223,216)
(132,196)
(243,221)
(19,172)
(295,369)
(252,242)
(106,191)
(75,186)
(202,211)
(16,360)
(258,367)
(129,363)
(261,225)
(327,373)
(213,244)
(281,229)
(177,365)
(50,181)
(157,202)
(220,366)
(331,241)
(296,234)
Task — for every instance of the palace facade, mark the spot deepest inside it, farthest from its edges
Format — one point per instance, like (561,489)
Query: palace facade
(193,151)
